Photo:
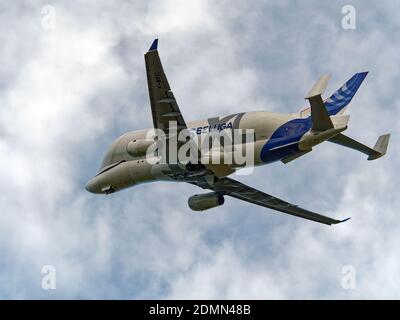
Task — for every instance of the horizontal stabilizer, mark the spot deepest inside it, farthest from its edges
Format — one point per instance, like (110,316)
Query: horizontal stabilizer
(319,87)
(378,151)
(319,115)
(380,146)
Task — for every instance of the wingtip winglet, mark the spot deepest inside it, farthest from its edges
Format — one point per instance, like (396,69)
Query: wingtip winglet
(344,220)
(340,221)
(154,45)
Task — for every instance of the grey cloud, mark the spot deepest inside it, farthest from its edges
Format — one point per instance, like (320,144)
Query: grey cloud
(67,93)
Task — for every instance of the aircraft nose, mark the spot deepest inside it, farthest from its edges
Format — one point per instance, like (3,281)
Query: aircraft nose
(92,186)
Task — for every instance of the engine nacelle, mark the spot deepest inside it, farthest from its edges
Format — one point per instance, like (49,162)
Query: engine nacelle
(200,202)
(138,148)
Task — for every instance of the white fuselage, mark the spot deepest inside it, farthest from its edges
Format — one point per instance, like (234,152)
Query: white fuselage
(120,169)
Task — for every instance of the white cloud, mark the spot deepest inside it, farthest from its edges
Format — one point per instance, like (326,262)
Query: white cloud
(66,93)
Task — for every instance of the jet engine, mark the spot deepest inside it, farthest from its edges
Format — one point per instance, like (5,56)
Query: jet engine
(200,202)
(138,148)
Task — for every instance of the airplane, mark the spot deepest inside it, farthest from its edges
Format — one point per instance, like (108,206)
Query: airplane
(277,137)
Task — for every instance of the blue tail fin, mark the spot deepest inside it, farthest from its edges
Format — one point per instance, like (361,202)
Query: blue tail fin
(342,97)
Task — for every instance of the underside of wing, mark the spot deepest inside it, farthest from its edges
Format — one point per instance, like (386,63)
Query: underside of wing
(164,108)
(236,189)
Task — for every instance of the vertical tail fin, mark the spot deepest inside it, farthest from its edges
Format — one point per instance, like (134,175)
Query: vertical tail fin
(342,97)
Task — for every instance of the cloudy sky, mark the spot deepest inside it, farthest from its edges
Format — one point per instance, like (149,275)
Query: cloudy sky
(72,79)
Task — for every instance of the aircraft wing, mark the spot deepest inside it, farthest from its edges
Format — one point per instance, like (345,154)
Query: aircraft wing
(238,190)
(163,104)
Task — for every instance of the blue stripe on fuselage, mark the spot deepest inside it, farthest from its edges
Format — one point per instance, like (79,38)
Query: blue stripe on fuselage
(287,135)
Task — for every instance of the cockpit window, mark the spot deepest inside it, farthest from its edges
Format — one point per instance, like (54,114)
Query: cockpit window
(110,166)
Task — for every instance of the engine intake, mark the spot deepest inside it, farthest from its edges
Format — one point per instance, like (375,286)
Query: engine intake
(200,202)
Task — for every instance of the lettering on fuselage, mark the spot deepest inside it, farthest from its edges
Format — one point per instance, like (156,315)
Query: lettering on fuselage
(216,127)
(219,143)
